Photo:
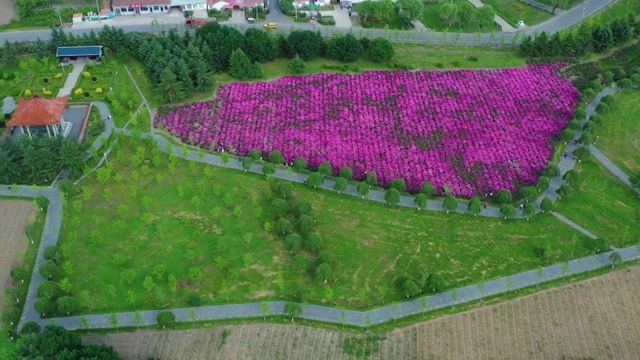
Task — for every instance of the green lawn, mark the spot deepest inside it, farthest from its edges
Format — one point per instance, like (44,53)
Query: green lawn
(431,19)
(619,132)
(603,205)
(396,23)
(89,85)
(513,11)
(212,221)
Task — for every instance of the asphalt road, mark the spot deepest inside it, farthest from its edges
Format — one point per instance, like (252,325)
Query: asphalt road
(559,22)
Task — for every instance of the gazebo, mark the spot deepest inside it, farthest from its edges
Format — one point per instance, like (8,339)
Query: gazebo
(39,117)
(65,53)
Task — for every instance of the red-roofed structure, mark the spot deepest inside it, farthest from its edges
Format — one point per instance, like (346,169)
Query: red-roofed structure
(40,116)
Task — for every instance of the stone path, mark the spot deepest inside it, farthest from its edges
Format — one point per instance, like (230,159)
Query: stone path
(72,79)
(311,312)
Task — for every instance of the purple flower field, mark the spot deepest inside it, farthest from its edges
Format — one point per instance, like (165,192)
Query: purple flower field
(473,131)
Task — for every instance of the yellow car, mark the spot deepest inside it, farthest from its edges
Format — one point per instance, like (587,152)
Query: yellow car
(270,26)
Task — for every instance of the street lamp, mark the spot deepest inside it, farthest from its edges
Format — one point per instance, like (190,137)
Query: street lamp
(58,8)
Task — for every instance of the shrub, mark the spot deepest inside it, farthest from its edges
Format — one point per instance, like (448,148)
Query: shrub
(99,91)
(58,76)
(27,93)
(472,58)
(327,20)
(455,63)
(86,74)
(48,92)
(439,65)
(86,94)
(46,80)
(78,91)
(94,79)
(166,319)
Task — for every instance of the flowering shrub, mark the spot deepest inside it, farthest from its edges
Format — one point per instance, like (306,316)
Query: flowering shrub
(468,131)
(78,91)
(58,76)
(99,90)
(86,74)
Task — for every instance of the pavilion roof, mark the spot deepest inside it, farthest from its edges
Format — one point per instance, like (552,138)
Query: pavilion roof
(39,111)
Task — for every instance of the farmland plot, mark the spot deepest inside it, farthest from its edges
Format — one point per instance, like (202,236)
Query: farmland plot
(14,217)
(596,318)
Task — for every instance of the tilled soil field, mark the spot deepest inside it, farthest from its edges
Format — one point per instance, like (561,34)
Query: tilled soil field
(14,216)
(598,318)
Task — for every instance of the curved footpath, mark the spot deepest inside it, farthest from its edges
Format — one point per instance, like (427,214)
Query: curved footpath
(311,312)
(561,21)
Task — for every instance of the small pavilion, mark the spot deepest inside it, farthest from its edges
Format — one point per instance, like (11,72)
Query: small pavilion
(40,117)
(73,53)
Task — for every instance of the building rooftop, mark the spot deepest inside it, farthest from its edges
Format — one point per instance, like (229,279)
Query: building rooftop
(79,51)
(38,111)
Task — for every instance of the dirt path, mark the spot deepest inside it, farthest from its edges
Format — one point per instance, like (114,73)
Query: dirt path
(14,216)
(596,318)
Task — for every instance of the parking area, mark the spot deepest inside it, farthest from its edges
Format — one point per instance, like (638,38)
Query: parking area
(161,19)
(341,16)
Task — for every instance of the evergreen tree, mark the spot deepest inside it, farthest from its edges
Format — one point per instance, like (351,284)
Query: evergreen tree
(602,38)
(344,48)
(169,86)
(259,46)
(380,50)
(305,43)
(240,65)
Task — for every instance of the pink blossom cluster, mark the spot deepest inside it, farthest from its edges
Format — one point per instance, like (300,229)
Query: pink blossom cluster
(471,131)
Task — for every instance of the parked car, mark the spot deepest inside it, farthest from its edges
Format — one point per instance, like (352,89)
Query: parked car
(270,26)
(346,5)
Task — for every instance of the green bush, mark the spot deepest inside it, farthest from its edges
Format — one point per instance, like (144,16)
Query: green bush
(327,20)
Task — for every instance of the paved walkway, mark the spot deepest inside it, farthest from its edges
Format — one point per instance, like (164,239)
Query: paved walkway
(615,170)
(311,312)
(72,79)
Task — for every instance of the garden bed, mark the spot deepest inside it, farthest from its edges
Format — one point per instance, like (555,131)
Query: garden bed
(468,133)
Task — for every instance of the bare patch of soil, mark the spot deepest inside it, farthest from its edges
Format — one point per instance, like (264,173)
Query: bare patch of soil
(14,218)
(598,318)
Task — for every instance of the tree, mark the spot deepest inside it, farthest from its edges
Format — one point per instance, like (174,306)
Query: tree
(148,283)
(392,196)
(44,306)
(371,178)
(300,164)
(615,259)
(567,135)
(305,43)
(323,272)
(449,13)
(302,207)
(30,327)
(166,319)
(528,210)
(428,189)
(344,48)
(542,184)
(474,206)
(268,169)
(276,157)
(283,189)
(293,243)
(503,197)
(363,189)
(410,288)
(292,309)
(305,223)
(314,179)
(507,211)
(485,15)
(529,193)
(434,283)
(297,65)
(171,89)
(68,304)
(240,66)
(49,270)
(381,50)
(301,263)
(602,38)
(48,290)
(314,242)
(551,171)
(259,46)
(324,257)
(340,185)
(56,342)
(582,153)
(450,203)
(284,226)
(410,10)
(325,168)
(278,207)
(11,315)
(420,200)
(586,138)
(565,191)
(346,173)
(625,84)
(571,177)
(546,205)
(398,184)
(247,163)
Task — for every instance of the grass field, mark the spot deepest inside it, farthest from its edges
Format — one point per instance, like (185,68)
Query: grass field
(603,205)
(592,319)
(396,23)
(211,222)
(619,132)
(431,19)
(513,11)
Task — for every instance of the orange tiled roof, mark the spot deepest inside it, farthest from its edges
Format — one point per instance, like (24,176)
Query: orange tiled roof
(38,111)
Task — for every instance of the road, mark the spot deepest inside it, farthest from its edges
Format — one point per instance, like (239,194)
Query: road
(559,22)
